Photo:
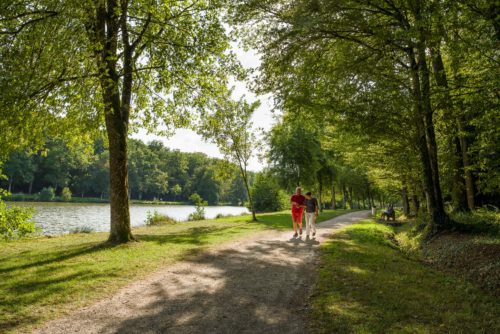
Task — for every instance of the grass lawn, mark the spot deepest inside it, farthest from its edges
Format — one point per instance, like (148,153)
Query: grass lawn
(43,278)
(367,285)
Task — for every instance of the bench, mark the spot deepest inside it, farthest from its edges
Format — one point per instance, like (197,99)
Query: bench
(388,216)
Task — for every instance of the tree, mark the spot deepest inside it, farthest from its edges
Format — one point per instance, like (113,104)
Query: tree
(230,128)
(109,61)
(361,44)
(20,168)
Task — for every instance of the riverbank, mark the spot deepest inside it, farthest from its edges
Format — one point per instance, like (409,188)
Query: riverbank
(367,283)
(20,197)
(45,278)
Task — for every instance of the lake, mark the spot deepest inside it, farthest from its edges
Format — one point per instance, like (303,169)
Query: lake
(60,218)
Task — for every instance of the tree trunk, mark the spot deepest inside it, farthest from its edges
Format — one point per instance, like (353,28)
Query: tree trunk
(344,201)
(320,194)
(334,201)
(118,177)
(404,198)
(105,32)
(426,139)
(469,181)
(11,180)
(244,175)
(350,198)
(416,203)
(30,189)
(458,196)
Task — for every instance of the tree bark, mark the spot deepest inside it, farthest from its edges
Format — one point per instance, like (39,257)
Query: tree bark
(320,194)
(11,180)
(105,32)
(334,201)
(404,198)
(247,187)
(460,159)
(426,139)
(350,198)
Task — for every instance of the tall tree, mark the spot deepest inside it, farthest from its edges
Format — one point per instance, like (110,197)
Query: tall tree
(108,62)
(230,128)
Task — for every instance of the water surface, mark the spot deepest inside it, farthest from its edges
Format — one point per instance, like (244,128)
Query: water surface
(59,218)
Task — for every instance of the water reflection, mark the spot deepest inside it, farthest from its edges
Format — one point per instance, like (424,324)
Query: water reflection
(59,218)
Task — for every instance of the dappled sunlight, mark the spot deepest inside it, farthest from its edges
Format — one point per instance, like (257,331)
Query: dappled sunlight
(365,285)
(357,270)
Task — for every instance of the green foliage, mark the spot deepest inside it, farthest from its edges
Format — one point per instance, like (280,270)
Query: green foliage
(66,194)
(82,229)
(199,213)
(15,222)
(478,221)
(156,218)
(267,194)
(154,172)
(47,194)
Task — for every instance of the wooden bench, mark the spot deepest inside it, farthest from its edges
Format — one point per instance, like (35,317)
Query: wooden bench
(388,216)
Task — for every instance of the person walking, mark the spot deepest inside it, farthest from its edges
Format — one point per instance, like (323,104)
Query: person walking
(311,204)
(297,202)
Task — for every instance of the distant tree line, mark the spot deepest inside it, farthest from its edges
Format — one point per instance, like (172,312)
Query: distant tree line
(155,172)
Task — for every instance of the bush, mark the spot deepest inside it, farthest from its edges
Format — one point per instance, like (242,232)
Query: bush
(15,222)
(267,195)
(221,215)
(66,194)
(82,229)
(156,218)
(47,194)
(478,221)
(199,212)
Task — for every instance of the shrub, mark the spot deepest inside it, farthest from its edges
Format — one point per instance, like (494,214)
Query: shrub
(66,194)
(267,195)
(478,221)
(221,215)
(199,212)
(81,229)
(15,222)
(156,218)
(47,194)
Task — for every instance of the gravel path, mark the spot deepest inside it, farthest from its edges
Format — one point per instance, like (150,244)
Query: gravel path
(254,285)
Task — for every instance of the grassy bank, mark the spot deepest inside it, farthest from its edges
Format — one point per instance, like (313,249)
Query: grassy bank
(367,285)
(20,197)
(469,251)
(43,278)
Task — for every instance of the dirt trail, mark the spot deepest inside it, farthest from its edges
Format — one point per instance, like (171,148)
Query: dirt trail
(255,285)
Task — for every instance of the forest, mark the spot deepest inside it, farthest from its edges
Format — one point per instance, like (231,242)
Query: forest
(155,173)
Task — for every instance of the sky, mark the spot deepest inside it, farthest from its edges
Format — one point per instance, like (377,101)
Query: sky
(188,141)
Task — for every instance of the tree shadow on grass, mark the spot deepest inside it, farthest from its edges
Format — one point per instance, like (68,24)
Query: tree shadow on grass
(193,236)
(365,285)
(256,288)
(61,255)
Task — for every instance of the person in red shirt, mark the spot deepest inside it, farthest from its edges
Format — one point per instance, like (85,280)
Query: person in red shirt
(297,202)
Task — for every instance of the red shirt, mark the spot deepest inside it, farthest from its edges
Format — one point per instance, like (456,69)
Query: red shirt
(299,199)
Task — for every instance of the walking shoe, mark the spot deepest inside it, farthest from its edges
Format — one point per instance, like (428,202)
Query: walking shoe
(300,231)
(295,235)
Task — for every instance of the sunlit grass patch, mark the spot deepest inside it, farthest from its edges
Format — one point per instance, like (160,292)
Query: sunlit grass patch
(366,285)
(43,278)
